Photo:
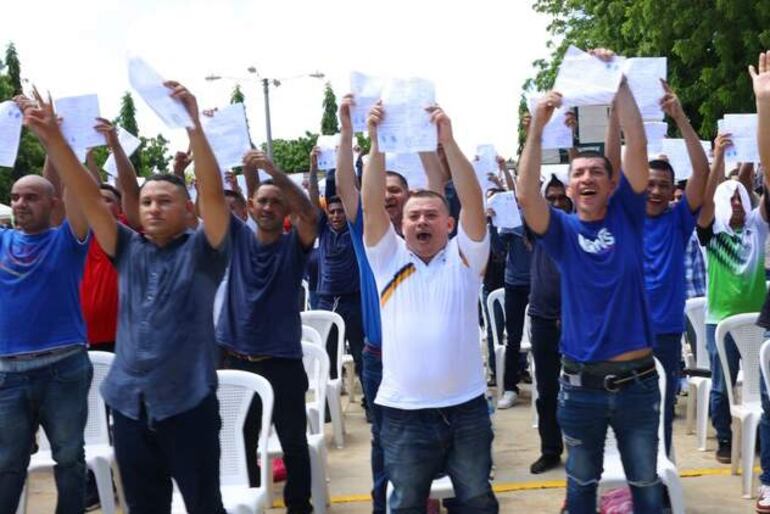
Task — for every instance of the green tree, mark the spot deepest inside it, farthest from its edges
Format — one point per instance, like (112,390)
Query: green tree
(363,142)
(329,124)
(708,45)
(237,96)
(154,156)
(293,155)
(13,68)
(127,120)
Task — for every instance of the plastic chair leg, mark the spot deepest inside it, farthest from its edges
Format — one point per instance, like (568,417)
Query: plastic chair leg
(335,409)
(691,402)
(702,412)
(735,453)
(675,491)
(101,469)
(748,442)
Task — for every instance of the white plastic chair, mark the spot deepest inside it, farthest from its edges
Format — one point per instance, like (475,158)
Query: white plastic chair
(322,321)
(699,388)
(306,292)
(100,456)
(235,392)
(748,339)
(440,489)
(614,475)
(316,362)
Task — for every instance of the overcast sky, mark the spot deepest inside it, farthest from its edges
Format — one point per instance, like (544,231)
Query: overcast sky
(477,53)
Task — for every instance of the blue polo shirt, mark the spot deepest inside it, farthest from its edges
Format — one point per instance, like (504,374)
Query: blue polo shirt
(40,301)
(519,258)
(665,241)
(604,302)
(337,264)
(370,296)
(260,311)
(166,355)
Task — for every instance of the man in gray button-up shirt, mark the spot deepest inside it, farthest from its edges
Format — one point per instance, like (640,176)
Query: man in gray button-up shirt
(162,386)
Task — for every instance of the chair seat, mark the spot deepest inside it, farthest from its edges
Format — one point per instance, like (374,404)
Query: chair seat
(745,410)
(237,499)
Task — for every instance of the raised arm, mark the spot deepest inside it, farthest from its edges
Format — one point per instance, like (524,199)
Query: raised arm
(761,80)
(82,198)
(304,213)
(612,145)
(716,176)
(211,193)
(510,185)
(92,167)
(466,184)
(635,163)
(126,181)
(376,220)
(346,173)
(434,171)
(312,179)
(696,184)
(528,192)
(59,210)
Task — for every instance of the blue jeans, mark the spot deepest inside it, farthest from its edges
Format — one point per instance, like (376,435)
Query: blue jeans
(500,322)
(668,350)
(719,401)
(421,444)
(633,413)
(372,376)
(54,397)
(764,435)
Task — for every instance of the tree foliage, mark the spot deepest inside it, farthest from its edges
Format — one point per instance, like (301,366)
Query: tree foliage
(708,43)
(329,124)
(293,155)
(237,96)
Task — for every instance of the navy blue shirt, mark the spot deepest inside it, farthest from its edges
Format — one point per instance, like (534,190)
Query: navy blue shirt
(604,302)
(370,296)
(337,265)
(260,312)
(665,240)
(519,260)
(545,285)
(166,351)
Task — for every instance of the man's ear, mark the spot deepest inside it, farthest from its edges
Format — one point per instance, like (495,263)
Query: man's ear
(450,224)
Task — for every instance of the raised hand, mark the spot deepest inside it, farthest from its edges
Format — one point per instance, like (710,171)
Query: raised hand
(189,101)
(545,108)
(109,132)
(570,120)
(721,144)
(314,157)
(442,122)
(526,121)
(670,103)
(257,160)
(345,106)
(181,161)
(603,54)
(375,117)
(760,77)
(40,118)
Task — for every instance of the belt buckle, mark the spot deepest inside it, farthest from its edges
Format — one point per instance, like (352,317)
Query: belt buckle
(612,388)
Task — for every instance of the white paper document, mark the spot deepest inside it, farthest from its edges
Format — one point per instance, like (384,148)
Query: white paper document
(410,166)
(743,133)
(228,135)
(366,92)
(676,152)
(655,132)
(149,84)
(585,80)
(555,133)
(644,75)
(406,127)
(485,163)
(78,115)
(130,144)
(506,210)
(11,120)
(327,156)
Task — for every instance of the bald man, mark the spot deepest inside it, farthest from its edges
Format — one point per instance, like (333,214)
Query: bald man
(45,373)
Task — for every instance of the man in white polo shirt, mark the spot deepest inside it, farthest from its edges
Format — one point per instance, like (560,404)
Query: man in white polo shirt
(435,417)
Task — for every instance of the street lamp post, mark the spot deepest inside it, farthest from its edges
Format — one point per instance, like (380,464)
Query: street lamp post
(266,91)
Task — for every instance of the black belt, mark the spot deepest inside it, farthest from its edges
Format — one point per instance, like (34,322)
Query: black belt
(37,355)
(607,382)
(244,357)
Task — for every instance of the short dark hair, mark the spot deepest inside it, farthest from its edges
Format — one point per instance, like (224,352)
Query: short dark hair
(333,199)
(266,182)
(400,177)
(661,165)
(554,182)
(427,193)
(237,195)
(593,154)
(682,184)
(112,189)
(167,177)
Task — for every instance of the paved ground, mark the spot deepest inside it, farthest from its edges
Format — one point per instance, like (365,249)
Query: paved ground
(709,488)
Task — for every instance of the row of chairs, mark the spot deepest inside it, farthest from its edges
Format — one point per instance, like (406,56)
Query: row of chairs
(235,392)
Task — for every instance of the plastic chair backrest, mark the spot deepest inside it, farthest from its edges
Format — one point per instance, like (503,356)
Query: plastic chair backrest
(322,321)
(306,292)
(496,296)
(235,392)
(483,308)
(764,363)
(316,363)
(748,339)
(695,310)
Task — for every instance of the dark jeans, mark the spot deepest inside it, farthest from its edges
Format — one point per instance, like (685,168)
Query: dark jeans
(668,350)
(54,397)
(764,433)
(372,377)
(421,444)
(545,351)
(499,322)
(289,382)
(184,447)
(719,401)
(349,307)
(516,300)
(633,413)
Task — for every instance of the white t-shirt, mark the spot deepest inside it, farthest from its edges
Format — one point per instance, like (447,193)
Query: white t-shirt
(431,356)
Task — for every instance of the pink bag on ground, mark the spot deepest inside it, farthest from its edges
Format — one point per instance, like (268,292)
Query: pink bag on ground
(616,501)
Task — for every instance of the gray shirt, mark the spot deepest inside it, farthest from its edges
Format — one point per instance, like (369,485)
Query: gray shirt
(165,347)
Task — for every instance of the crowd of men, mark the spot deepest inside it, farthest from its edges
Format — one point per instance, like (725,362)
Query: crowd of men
(604,261)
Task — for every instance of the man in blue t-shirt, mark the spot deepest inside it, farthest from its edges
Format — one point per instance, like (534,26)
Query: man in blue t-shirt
(259,327)
(46,371)
(609,377)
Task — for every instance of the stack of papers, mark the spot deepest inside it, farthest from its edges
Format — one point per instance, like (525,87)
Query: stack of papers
(10,133)
(406,127)
(228,135)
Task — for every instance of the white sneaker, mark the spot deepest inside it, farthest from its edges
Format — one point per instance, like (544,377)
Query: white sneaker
(508,400)
(763,499)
